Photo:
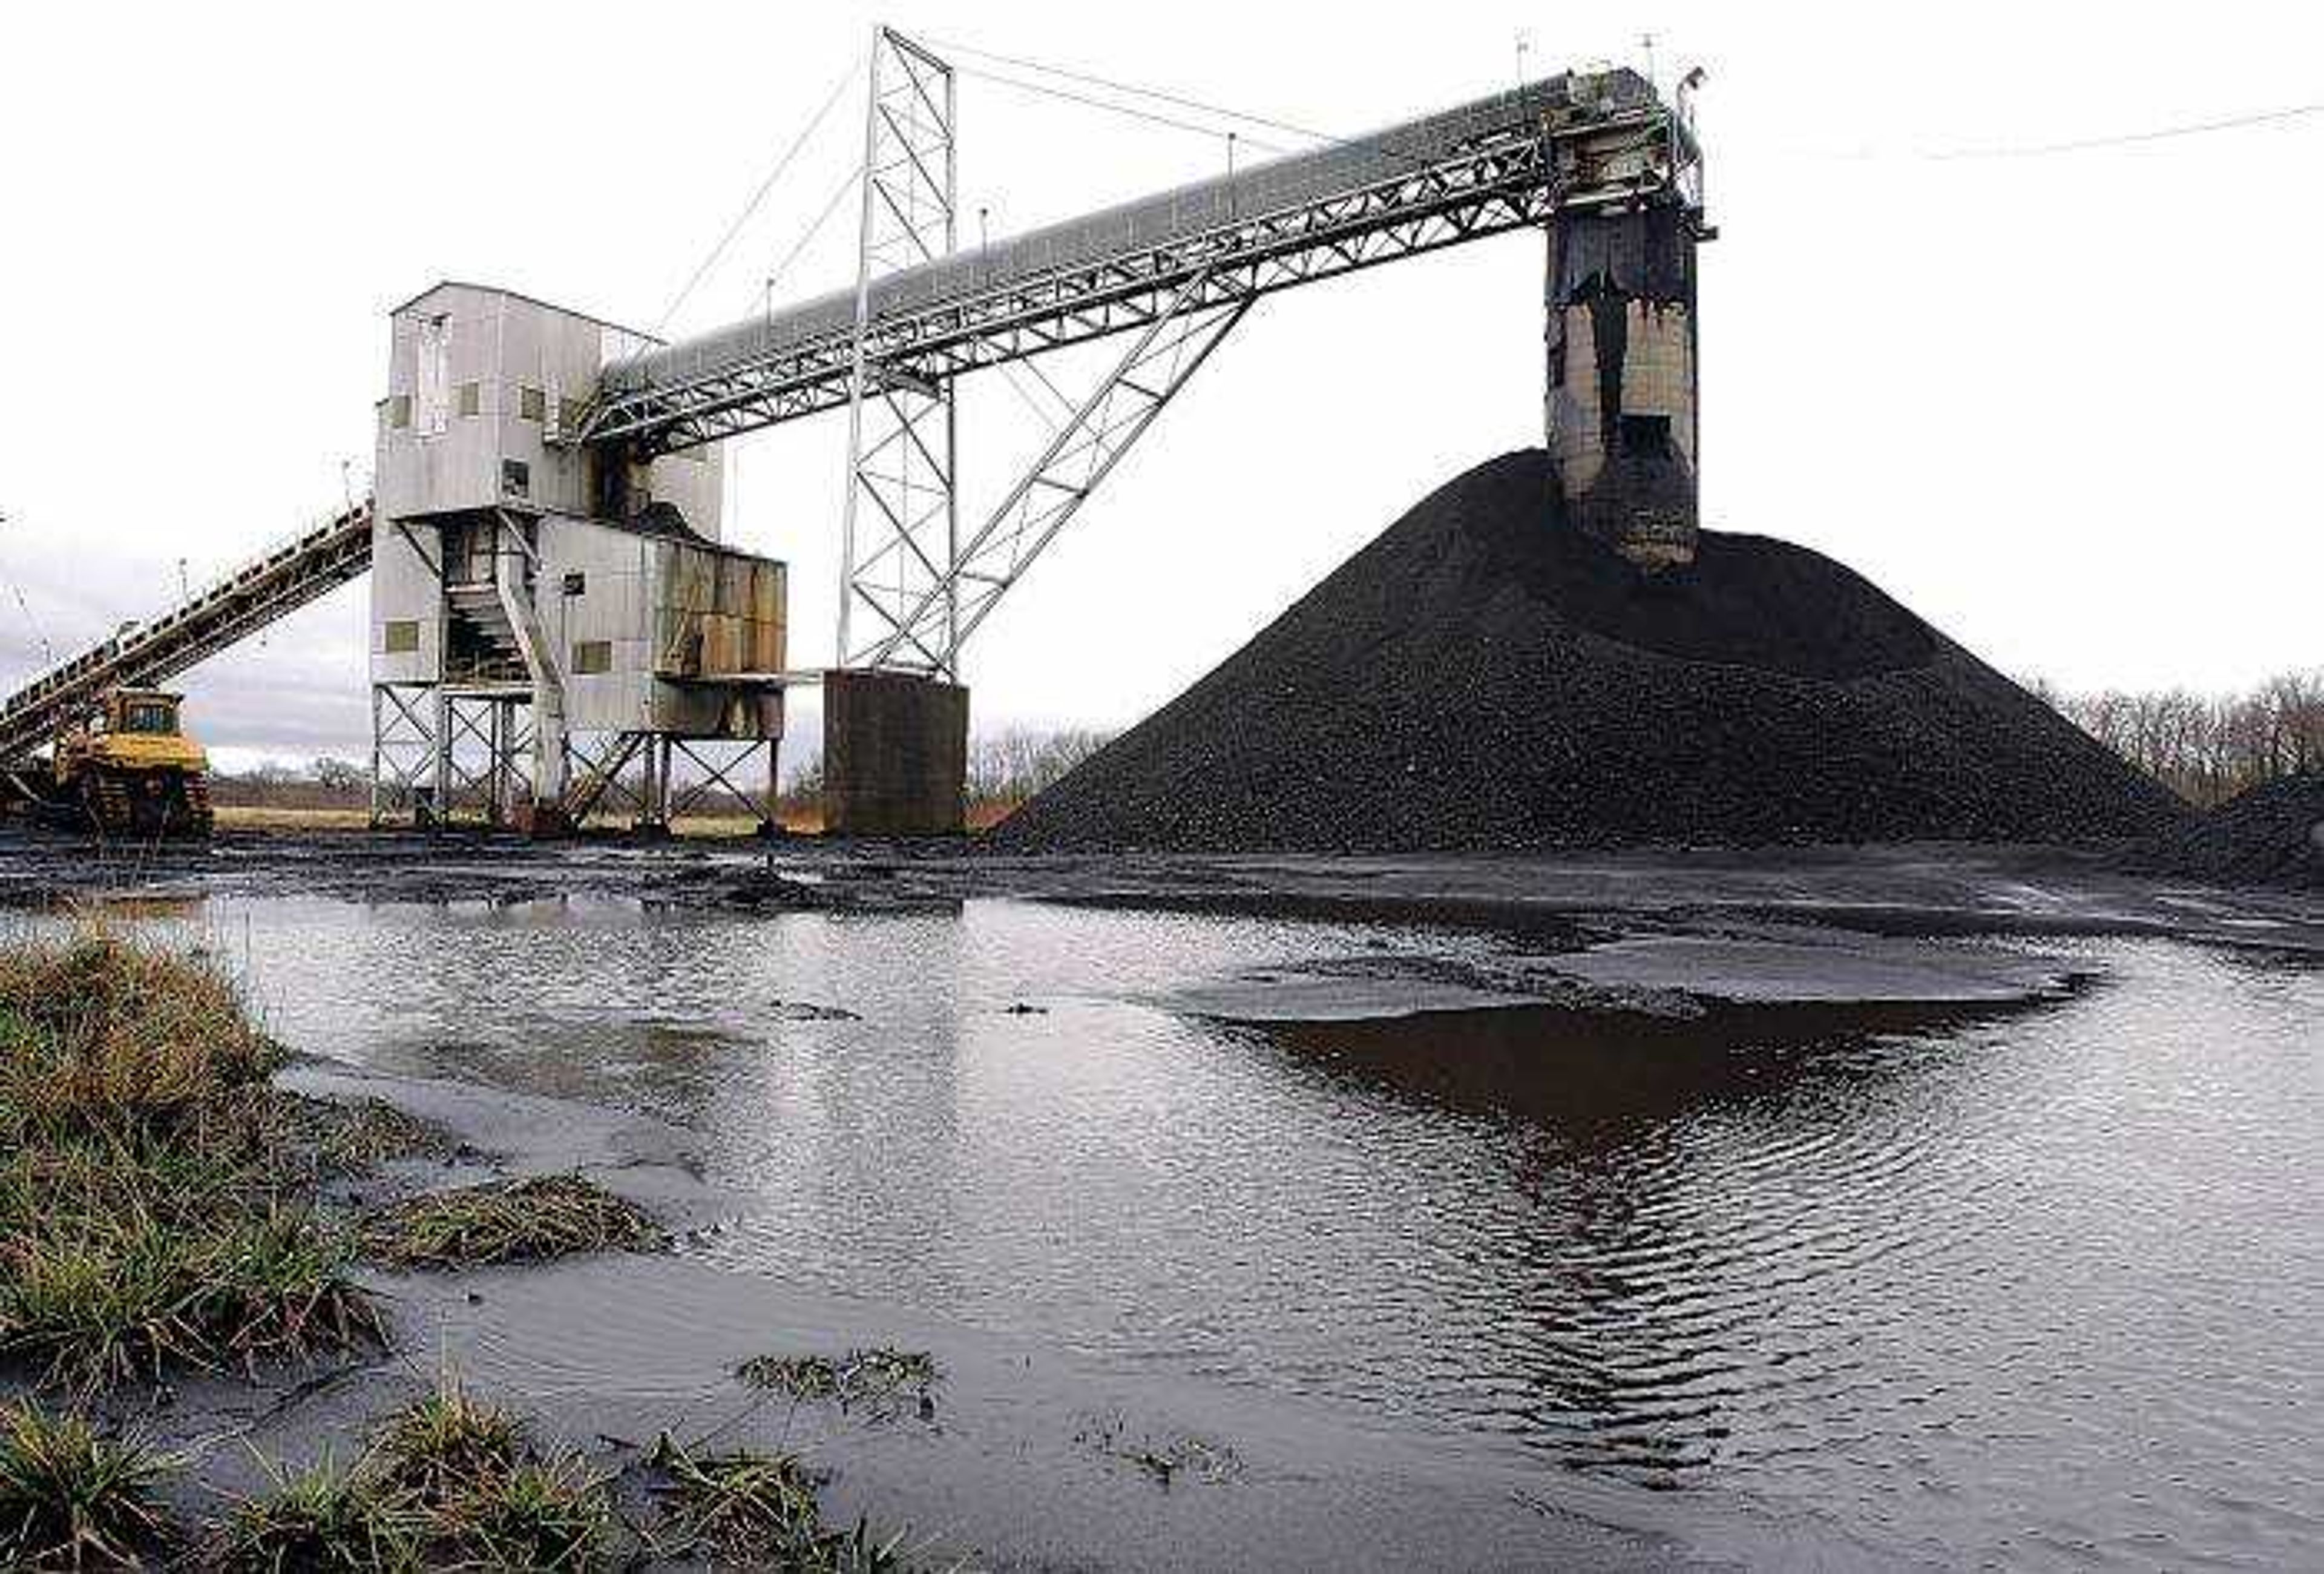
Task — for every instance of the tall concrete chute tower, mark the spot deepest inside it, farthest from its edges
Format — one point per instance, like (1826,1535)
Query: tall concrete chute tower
(1622,376)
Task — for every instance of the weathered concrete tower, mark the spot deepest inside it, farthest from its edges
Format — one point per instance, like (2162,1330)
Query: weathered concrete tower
(1622,384)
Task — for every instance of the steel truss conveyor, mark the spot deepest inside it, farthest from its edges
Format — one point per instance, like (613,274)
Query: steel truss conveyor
(267,588)
(1571,142)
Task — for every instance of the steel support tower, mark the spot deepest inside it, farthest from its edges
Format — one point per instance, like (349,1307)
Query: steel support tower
(901,536)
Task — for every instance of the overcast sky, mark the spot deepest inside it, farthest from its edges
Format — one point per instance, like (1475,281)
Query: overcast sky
(2059,404)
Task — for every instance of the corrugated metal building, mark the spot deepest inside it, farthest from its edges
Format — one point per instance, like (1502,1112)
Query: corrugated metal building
(536,623)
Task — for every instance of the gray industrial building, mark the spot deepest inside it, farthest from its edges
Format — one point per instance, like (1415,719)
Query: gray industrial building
(543,614)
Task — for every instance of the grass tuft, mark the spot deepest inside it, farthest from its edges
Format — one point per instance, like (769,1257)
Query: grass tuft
(438,1449)
(101,1032)
(448,1482)
(549,1512)
(150,1212)
(74,1497)
(354,1136)
(505,1221)
(879,1376)
(755,1510)
(320,1518)
(485,1496)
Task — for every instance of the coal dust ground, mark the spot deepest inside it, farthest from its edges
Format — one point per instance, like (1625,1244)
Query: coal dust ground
(1483,677)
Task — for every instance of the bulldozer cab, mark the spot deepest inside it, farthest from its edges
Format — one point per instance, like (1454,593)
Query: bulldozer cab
(146,711)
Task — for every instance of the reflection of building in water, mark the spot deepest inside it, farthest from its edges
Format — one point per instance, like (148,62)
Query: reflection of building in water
(1654,1247)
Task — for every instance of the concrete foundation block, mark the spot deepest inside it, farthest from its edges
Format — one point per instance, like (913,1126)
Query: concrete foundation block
(895,755)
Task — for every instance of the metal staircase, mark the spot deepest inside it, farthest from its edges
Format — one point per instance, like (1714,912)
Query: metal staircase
(272,586)
(485,643)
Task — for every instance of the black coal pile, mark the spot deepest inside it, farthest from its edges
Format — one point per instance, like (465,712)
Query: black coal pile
(2269,835)
(1482,676)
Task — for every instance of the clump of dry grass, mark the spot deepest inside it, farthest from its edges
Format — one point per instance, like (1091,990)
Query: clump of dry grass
(74,1497)
(448,1482)
(755,1510)
(485,1494)
(434,1448)
(323,1518)
(547,1513)
(99,1031)
(149,1215)
(353,1136)
(879,1376)
(505,1221)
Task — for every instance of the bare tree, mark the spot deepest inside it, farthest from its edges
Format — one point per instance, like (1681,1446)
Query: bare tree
(1006,768)
(2206,748)
(339,775)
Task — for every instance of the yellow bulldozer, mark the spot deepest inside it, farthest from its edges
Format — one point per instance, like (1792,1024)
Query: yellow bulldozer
(128,770)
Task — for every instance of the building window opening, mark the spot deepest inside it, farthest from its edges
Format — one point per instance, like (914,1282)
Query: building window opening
(401,637)
(531,403)
(472,398)
(590,656)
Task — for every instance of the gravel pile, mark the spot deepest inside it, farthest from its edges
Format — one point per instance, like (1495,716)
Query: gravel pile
(1482,677)
(2269,835)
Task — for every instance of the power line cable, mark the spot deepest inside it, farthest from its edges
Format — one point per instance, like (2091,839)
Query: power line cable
(2132,138)
(1371,141)
(2262,118)
(48,651)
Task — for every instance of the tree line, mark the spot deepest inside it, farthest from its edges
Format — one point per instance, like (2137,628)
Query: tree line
(2206,748)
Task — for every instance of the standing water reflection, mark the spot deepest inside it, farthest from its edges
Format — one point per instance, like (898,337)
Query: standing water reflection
(2040,1284)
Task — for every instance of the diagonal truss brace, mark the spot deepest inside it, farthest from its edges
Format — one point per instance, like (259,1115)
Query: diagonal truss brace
(1084,450)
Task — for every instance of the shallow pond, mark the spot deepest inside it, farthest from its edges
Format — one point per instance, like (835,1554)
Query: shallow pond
(2045,1284)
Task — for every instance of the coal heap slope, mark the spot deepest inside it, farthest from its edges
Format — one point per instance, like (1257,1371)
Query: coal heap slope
(2269,835)
(1482,676)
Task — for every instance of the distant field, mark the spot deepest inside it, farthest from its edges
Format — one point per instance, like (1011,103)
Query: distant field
(278,817)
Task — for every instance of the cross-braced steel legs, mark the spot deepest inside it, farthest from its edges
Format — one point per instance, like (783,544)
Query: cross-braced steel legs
(440,755)
(402,752)
(673,777)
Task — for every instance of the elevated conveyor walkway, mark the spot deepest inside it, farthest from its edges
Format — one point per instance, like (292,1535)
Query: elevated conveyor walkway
(1567,144)
(268,587)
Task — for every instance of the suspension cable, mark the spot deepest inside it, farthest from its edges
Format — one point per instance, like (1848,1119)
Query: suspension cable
(791,156)
(1158,95)
(830,206)
(1132,111)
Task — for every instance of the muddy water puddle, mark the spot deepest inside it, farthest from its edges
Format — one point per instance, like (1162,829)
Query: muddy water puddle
(1906,1282)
